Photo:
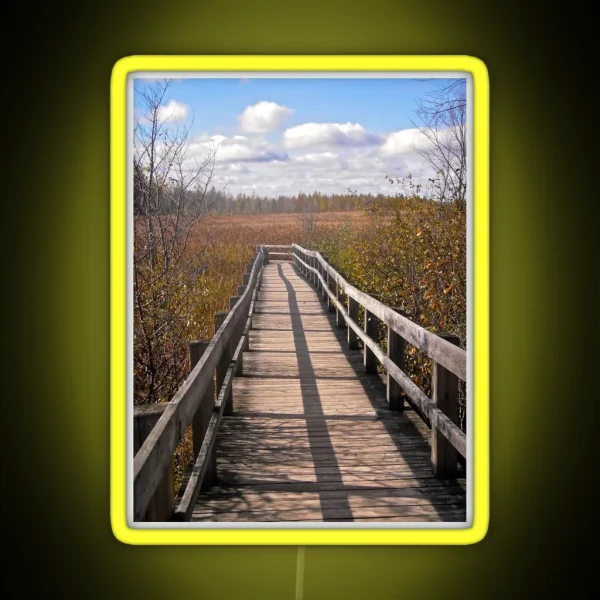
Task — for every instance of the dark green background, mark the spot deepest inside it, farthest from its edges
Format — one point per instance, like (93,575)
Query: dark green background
(56,306)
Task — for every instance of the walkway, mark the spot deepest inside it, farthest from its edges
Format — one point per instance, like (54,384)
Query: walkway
(311,437)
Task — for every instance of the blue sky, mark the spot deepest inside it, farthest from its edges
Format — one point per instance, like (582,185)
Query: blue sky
(283,136)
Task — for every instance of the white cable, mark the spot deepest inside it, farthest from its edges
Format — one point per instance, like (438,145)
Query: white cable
(300,574)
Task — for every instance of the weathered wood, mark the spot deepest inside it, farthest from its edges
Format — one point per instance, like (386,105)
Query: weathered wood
(445,426)
(324,283)
(353,308)
(245,279)
(339,314)
(301,417)
(154,458)
(396,350)
(204,411)
(444,458)
(241,289)
(372,331)
(311,434)
(435,347)
(238,357)
(332,287)
(226,356)
(200,476)
(376,513)
(246,334)
(145,418)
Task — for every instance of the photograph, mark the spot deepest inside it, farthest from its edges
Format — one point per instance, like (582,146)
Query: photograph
(299,295)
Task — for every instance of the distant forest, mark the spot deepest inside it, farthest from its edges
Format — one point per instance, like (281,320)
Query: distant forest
(213,201)
(243,204)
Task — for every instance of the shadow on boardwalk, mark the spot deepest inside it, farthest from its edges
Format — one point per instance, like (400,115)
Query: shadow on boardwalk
(327,464)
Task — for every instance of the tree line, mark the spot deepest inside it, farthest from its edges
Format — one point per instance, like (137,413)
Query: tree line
(217,202)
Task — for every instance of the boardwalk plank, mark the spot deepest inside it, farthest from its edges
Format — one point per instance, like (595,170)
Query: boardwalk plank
(311,437)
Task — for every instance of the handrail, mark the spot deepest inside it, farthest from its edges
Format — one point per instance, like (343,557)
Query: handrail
(438,349)
(154,457)
(184,511)
(224,353)
(443,353)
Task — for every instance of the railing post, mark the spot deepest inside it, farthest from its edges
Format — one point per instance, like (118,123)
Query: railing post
(444,457)
(339,316)
(353,314)
(320,271)
(325,274)
(246,278)
(396,347)
(203,414)
(239,366)
(224,363)
(246,346)
(333,288)
(262,264)
(239,330)
(162,504)
(371,328)
(259,250)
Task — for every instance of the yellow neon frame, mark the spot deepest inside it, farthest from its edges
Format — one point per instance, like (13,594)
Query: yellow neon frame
(118,294)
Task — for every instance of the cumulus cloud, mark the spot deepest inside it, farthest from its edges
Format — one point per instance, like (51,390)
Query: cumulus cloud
(317,158)
(405,141)
(413,140)
(237,149)
(251,162)
(329,134)
(263,117)
(173,111)
(360,168)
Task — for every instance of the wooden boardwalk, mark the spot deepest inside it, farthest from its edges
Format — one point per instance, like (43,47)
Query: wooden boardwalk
(311,437)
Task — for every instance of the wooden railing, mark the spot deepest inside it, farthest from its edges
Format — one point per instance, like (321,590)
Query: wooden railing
(206,395)
(277,252)
(449,360)
(202,400)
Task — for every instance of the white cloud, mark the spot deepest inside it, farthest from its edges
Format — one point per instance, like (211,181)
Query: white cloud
(251,162)
(405,141)
(413,140)
(359,168)
(320,158)
(237,149)
(263,117)
(173,111)
(329,134)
